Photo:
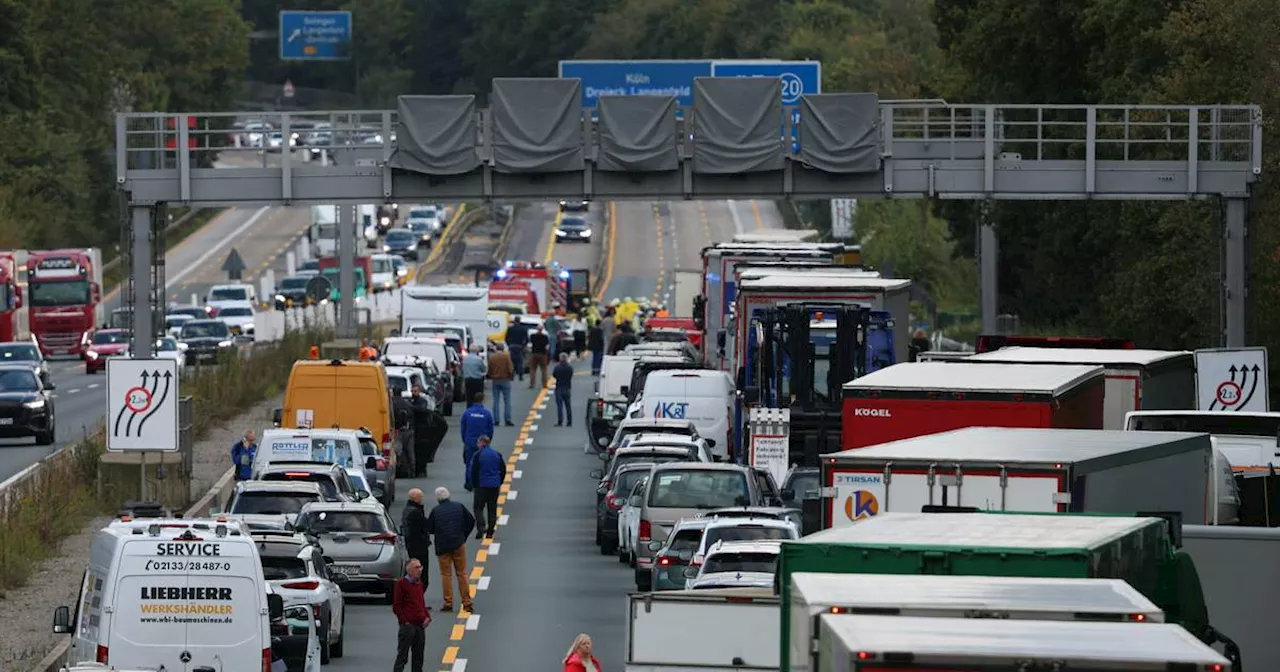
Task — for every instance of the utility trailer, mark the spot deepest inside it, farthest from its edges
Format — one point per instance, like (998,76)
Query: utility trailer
(898,644)
(1016,598)
(702,630)
(1028,470)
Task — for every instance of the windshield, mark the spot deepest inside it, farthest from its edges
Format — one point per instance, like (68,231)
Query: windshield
(333,451)
(629,478)
(574,223)
(205,330)
(271,503)
(408,349)
(398,384)
(741,562)
(382,265)
(1232,424)
(422,213)
(282,569)
(419,226)
(805,485)
(110,337)
(400,236)
(62,293)
(368,447)
(699,489)
(623,460)
(191,312)
(326,522)
(685,540)
(229,294)
(747,533)
(637,429)
(18,381)
(236,312)
(323,480)
(19,352)
(310,265)
(295,282)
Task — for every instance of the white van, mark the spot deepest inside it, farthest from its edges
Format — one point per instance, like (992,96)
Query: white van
(172,594)
(704,396)
(384,273)
(332,446)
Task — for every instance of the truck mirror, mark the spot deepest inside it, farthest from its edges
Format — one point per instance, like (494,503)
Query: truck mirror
(277,416)
(275,607)
(751,395)
(711,443)
(61,621)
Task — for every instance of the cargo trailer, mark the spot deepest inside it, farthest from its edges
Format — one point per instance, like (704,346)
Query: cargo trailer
(918,398)
(661,630)
(1149,380)
(1027,470)
(897,644)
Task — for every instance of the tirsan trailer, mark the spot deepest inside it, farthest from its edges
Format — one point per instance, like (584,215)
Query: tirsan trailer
(932,596)
(918,398)
(897,644)
(1030,470)
(1149,380)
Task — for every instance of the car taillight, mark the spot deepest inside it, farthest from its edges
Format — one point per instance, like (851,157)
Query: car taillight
(616,503)
(664,561)
(386,444)
(301,585)
(380,464)
(266,659)
(102,654)
(384,538)
(646,530)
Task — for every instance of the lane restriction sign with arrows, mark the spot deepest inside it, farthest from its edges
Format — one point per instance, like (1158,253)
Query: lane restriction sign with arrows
(1232,379)
(142,405)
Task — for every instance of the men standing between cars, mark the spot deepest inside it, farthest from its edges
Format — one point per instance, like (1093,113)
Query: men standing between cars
(243,453)
(563,373)
(501,372)
(488,473)
(517,340)
(474,370)
(595,343)
(539,355)
(623,337)
(476,422)
(424,447)
(417,543)
(451,523)
(409,604)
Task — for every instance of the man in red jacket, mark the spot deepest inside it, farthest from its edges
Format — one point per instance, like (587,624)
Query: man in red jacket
(409,604)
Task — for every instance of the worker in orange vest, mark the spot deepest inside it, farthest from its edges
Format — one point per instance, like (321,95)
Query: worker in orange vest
(314,352)
(367,352)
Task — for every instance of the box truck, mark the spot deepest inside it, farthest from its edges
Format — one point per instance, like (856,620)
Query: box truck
(455,304)
(918,398)
(1016,598)
(894,644)
(1136,379)
(688,287)
(1136,550)
(1031,470)
(660,630)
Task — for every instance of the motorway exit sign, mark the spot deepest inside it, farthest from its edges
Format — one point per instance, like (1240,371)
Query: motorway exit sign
(315,36)
(675,78)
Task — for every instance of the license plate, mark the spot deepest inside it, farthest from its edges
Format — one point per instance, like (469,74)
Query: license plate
(349,570)
(6,421)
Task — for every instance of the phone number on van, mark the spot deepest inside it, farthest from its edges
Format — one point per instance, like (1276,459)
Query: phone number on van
(187,566)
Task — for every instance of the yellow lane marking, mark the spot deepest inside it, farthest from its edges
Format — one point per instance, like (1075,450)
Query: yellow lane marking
(755,210)
(450,655)
(551,238)
(662,264)
(502,499)
(608,260)
(482,555)
(476,573)
(458,631)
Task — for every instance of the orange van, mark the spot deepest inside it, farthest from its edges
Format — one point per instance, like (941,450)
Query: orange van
(340,393)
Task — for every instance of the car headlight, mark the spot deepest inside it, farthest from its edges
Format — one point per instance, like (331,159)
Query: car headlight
(224,344)
(560,234)
(386,248)
(386,221)
(91,354)
(37,404)
(280,298)
(586,234)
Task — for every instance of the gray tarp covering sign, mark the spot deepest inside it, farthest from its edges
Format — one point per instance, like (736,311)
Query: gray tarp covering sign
(637,133)
(737,124)
(840,132)
(436,135)
(537,125)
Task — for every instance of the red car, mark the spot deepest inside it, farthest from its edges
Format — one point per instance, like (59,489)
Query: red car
(103,344)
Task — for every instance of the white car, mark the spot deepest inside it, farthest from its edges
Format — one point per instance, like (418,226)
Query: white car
(662,440)
(168,347)
(736,564)
(629,521)
(296,569)
(238,317)
(220,296)
(173,323)
(433,215)
(734,529)
(384,273)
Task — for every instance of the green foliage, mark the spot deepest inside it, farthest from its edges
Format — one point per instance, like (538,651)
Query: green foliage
(904,238)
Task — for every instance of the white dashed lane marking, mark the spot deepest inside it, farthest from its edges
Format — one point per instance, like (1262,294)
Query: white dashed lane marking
(494,548)
(504,519)
(524,456)
(517,473)
(473,621)
(483,584)
(511,494)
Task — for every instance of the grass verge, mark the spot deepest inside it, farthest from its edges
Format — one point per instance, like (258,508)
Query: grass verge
(61,496)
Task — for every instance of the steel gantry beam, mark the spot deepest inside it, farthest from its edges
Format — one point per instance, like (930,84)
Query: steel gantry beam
(537,142)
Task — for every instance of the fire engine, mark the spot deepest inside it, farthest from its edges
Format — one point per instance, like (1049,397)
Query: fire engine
(64,295)
(15,322)
(549,284)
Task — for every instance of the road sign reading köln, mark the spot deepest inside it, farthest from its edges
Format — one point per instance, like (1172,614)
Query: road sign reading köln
(315,36)
(675,78)
(142,405)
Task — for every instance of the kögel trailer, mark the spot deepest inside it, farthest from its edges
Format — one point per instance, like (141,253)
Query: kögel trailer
(918,398)
(1150,380)
(1029,470)
(896,644)
(1016,598)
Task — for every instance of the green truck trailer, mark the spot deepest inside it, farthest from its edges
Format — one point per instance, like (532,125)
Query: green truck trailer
(1136,550)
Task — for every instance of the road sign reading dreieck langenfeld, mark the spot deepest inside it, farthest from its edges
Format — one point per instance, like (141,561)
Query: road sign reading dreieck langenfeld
(1232,379)
(142,405)
(315,36)
(636,78)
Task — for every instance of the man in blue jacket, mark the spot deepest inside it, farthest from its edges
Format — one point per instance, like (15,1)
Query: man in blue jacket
(243,453)
(488,473)
(476,422)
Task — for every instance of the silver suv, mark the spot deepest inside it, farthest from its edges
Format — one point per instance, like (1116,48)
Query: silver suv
(683,490)
(361,542)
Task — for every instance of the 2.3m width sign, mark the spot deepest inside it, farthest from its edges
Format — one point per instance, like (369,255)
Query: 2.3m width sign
(142,405)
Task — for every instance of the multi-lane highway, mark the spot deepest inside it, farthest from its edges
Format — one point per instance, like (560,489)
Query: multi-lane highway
(542,580)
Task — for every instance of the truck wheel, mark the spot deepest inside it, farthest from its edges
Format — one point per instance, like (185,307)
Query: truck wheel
(644,583)
(599,536)
(608,547)
(89,372)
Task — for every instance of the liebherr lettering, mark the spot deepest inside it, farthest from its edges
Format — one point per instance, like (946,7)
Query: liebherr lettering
(188,549)
(187,593)
(872,412)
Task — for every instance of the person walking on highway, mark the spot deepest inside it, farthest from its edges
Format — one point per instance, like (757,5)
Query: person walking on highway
(580,658)
(517,340)
(563,373)
(409,604)
(451,523)
(476,422)
(595,343)
(474,370)
(488,473)
(413,524)
(501,371)
(539,356)
(243,453)
(578,328)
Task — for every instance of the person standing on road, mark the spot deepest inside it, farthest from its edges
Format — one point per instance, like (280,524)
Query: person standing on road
(413,524)
(539,355)
(409,604)
(563,373)
(474,370)
(517,340)
(501,372)
(476,422)
(579,330)
(595,343)
(450,523)
(623,336)
(243,453)
(488,473)
(367,351)
(424,443)
(580,658)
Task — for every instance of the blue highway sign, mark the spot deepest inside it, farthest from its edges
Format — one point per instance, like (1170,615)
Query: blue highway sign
(315,36)
(636,78)
(798,77)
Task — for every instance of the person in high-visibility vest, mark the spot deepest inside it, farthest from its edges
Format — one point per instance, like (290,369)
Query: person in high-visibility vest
(662,312)
(314,352)
(367,352)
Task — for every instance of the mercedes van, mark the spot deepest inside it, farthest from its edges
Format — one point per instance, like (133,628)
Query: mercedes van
(704,396)
(163,593)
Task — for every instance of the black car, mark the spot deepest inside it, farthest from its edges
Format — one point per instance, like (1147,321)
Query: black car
(573,229)
(206,340)
(26,353)
(403,242)
(575,206)
(26,405)
(608,508)
(423,228)
(292,292)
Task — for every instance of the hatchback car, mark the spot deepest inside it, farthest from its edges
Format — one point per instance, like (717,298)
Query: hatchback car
(362,543)
(332,478)
(742,529)
(614,499)
(403,242)
(26,405)
(295,568)
(103,344)
(671,559)
(630,426)
(273,498)
(573,229)
(737,564)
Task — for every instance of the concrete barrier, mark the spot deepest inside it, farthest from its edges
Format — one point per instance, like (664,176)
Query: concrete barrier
(270,325)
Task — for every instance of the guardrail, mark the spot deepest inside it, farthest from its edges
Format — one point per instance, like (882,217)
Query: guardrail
(504,241)
(606,252)
(452,235)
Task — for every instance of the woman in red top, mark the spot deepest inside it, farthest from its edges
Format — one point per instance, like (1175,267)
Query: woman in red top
(580,658)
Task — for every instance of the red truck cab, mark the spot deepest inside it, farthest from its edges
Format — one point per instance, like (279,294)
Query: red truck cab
(64,296)
(15,321)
